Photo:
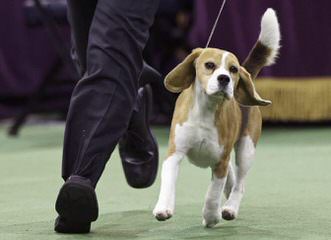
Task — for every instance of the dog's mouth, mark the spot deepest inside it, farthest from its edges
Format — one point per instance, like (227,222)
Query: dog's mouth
(220,95)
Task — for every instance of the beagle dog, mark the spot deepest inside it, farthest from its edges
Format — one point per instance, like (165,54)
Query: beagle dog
(216,112)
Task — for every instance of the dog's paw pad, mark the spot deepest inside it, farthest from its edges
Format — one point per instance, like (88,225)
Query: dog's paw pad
(163,215)
(211,219)
(228,214)
(210,222)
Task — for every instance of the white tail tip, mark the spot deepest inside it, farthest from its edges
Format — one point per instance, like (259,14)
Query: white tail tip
(270,34)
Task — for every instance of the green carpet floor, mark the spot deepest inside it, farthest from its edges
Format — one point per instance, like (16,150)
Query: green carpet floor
(288,194)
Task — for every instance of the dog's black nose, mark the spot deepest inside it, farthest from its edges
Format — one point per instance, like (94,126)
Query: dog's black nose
(223,80)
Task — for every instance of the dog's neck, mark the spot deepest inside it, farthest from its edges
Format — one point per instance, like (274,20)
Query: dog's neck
(204,106)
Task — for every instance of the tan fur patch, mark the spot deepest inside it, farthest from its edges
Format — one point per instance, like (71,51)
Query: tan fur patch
(183,105)
(227,121)
(252,124)
(221,170)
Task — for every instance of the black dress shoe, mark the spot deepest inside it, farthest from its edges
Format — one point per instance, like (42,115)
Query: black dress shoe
(149,76)
(76,205)
(138,147)
(63,225)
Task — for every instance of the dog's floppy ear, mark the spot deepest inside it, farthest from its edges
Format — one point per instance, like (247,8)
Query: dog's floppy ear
(182,75)
(245,92)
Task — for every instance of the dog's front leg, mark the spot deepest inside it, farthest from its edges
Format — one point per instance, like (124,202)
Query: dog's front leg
(165,206)
(212,208)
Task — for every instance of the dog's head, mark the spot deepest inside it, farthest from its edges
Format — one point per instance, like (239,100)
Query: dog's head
(219,74)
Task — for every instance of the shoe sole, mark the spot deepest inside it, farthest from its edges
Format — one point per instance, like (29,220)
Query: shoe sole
(77,203)
(148,103)
(147,99)
(74,227)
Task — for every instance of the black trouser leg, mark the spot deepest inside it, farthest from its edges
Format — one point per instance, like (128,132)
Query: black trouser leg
(80,15)
(103,99)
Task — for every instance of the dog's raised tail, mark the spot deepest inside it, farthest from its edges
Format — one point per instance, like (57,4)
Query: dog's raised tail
(265,50)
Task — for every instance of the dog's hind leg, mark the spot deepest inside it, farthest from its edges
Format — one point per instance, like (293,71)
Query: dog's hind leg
(165,206)
(230,181)
(245,153)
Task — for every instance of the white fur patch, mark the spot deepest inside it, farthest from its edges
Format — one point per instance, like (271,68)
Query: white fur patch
(246,147)
(211,209)
(270,34)
(165,206)
(198,136)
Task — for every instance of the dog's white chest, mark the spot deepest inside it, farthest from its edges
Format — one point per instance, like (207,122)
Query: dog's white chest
(200,142)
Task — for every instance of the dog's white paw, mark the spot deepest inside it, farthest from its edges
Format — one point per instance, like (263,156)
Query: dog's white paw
(162,214)
(229,213)
(211,218)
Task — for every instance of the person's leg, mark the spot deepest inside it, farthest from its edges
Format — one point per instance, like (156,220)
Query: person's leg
(102,101)
(101,104)
(140,167)
(80,16)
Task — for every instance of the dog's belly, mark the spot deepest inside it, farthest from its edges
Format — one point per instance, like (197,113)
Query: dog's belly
(205,153)
(200,143)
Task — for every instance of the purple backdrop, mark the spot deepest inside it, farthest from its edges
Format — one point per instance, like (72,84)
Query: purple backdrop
(26,54)
(305,27)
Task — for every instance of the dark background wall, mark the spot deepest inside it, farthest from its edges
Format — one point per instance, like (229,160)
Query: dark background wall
(27,53)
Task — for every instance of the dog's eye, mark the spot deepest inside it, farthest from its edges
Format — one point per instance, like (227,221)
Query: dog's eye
(210,65)
(233,69)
